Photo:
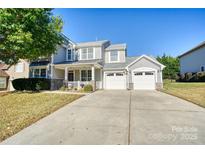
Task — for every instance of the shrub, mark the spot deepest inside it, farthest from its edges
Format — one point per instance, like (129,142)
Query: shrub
(63,88)
(33,84)
(192,77)
(88,88)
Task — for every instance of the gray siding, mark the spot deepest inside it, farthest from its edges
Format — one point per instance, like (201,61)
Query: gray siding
(60,55)
(146,63)
(192,62)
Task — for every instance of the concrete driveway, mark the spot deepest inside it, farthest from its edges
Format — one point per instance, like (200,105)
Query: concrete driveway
(119,117)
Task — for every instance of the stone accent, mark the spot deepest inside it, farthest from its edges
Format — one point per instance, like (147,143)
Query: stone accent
(56,84)
(159,86)
(130,86)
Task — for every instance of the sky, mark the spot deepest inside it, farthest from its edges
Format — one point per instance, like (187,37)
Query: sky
(145,31)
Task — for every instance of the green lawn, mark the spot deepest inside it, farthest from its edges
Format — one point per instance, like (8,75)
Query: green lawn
(19,110)
(193,92)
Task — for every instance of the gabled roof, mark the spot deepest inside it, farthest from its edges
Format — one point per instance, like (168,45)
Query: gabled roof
(128,60)
(3,66)
(117,47)
(149,58)
(3,73)
(193,49)
(66,39)
(39,63)
(94,43)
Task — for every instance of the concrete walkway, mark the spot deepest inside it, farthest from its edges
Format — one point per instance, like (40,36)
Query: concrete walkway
(119,117)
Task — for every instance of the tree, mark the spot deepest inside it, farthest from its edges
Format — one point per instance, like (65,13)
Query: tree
(172,66)
(28,34)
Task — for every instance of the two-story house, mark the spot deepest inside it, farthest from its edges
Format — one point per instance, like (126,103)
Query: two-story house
(193,60)
(100,63)
(9,73)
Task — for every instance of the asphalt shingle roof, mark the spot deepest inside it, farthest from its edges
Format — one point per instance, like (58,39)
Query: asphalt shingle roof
(117,47)
(39,63)
(82,62)
(120,65)
(94,43)
(3,73)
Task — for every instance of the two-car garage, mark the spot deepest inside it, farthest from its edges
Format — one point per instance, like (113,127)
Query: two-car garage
(140,80)
(143,73)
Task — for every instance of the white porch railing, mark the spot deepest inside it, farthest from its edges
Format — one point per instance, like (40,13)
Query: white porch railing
(78,84)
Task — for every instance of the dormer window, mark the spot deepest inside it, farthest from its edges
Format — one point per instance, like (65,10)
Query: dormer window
(87,53)
(114,56)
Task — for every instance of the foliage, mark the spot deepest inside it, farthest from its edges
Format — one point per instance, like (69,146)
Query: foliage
(192,77)
(88,88)
(28,34)
(172,66)
(31,84)
(63,88)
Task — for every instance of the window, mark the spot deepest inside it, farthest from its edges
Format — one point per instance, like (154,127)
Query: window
(113,56)
(36,73)
(138,73)
(43,73)
(202,69)
(19,67)
(69,54)
(39,73)
(110,74)
(119,74)
(2,82)
(90,53)
(87,53)
(86,75)
(84,54)
(148,73)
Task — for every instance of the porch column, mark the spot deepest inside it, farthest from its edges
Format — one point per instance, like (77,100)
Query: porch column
(93,77)
(66,74)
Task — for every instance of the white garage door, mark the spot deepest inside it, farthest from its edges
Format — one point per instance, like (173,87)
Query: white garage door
(115,81)
(144,80)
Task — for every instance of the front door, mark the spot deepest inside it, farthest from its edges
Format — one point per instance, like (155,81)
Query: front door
(70,76)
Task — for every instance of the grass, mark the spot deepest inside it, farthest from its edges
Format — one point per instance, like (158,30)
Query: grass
(191,91)
(19,110)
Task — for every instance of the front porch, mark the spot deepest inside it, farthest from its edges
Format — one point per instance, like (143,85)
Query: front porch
(77,76)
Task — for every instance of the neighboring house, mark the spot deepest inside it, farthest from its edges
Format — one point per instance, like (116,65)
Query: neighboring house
(100,63)
(193,60)
(3,78)
(20,70)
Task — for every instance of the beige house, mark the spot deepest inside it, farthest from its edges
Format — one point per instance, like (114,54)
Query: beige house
(20,70)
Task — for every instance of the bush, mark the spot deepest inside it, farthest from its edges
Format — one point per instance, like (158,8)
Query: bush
(33,84)
(88,88)
(63,88)
(192,77)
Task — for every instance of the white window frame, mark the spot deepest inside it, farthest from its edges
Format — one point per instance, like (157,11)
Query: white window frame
(118,56)
(71,53)
(93,53)
(39,73)
(86,73)
(22,69)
